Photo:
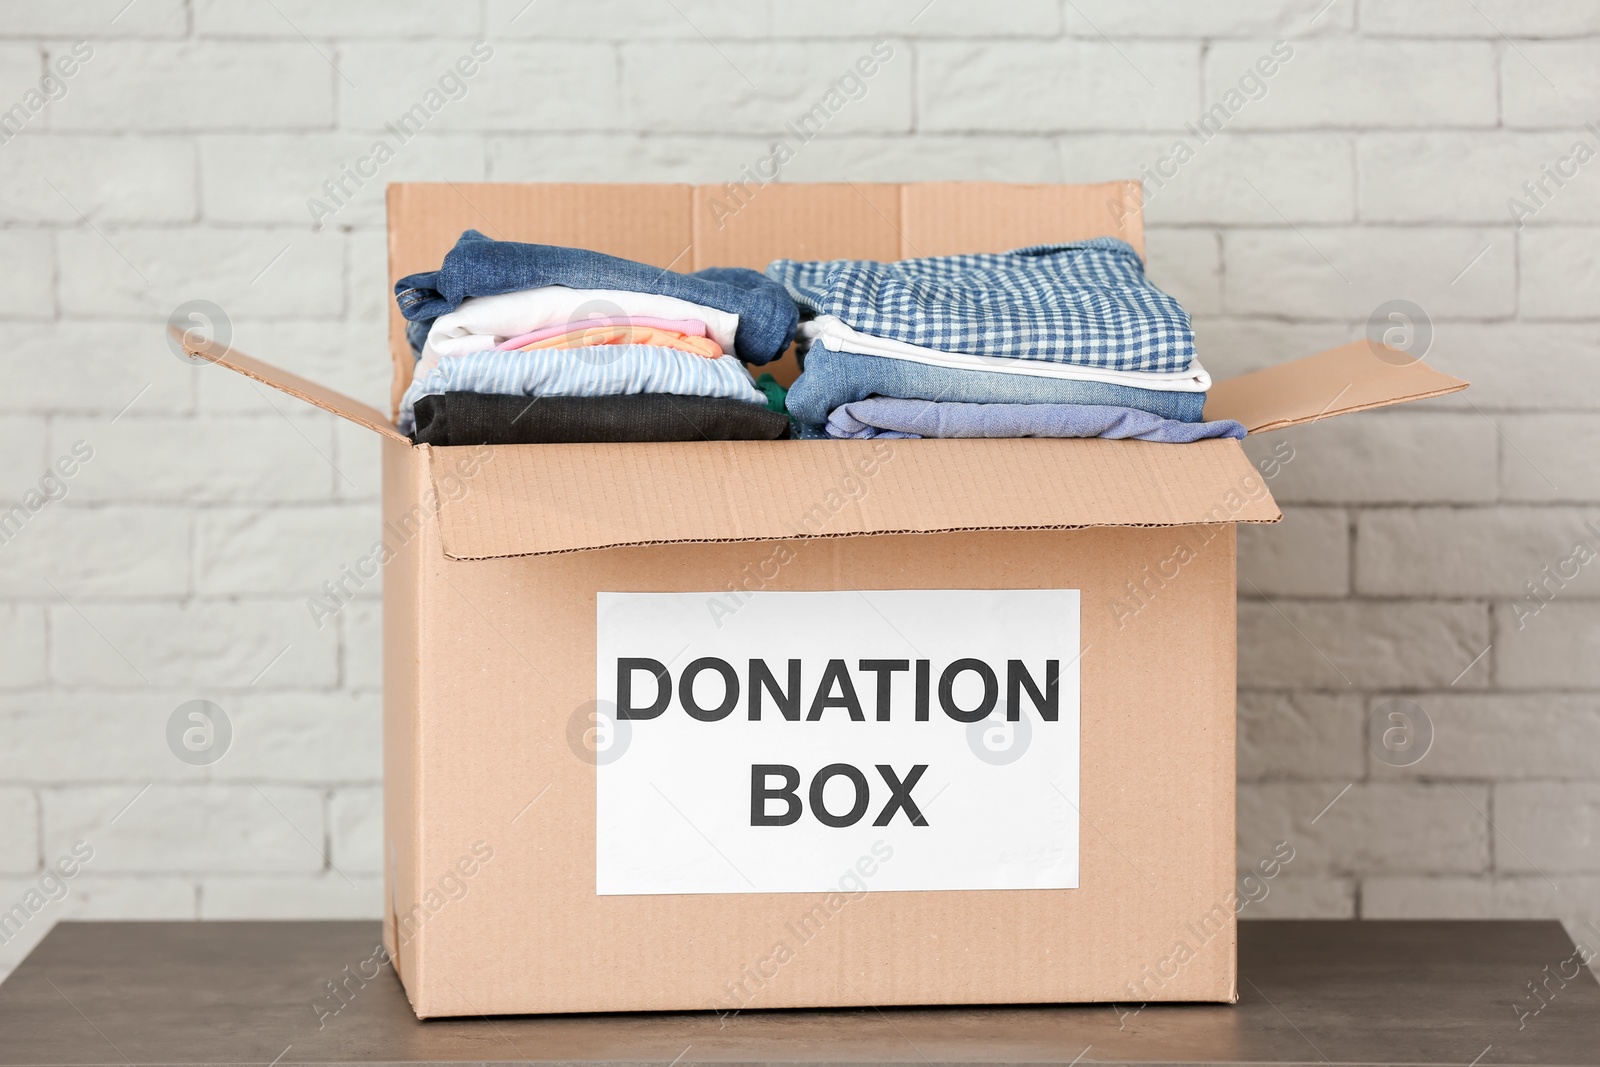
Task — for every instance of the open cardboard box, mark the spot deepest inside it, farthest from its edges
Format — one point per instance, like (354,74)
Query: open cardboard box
(528,873)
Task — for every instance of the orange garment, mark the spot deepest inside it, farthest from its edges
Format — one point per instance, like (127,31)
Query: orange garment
(629,335)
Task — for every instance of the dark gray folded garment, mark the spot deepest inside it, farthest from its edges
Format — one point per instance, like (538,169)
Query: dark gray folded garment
(492,419)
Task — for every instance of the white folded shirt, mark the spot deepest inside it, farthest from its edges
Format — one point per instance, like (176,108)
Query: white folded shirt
(833,333)
(482,322)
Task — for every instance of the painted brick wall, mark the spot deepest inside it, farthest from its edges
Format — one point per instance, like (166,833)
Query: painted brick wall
(184,157)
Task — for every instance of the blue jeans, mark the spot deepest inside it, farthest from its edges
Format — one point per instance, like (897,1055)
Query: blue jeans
(481,266)
(832,379)
(883,416)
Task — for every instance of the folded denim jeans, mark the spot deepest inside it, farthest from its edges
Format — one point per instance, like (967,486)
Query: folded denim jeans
(481,266)
(495,419)
(831,380)
(605,370)
(882,416)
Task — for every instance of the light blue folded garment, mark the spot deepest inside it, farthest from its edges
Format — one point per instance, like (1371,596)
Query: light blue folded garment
(890,417)
(832,379)
(599,370)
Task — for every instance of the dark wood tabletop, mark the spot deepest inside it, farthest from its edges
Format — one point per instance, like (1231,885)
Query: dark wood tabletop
(1457,993)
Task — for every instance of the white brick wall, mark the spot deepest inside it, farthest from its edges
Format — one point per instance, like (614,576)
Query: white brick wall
(1376,165)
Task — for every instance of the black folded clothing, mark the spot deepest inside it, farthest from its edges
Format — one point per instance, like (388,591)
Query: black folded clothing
(491,419)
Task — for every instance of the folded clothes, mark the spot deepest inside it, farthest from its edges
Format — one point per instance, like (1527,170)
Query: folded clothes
(496,419)
(833,333)
(881,416)
(687,327)
(606,370)
(486,322)
(478,266)
(833,379)
(1087,304)
(589,336)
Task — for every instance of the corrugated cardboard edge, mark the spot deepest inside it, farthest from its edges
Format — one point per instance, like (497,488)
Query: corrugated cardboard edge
(330,400)
(1353,377)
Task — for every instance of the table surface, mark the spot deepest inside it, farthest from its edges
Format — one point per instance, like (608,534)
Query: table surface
(1457,993)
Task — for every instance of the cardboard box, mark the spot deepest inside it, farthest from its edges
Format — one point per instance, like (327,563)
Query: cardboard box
(538,860)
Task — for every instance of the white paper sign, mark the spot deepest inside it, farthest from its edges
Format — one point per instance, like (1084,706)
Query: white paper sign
(781,742)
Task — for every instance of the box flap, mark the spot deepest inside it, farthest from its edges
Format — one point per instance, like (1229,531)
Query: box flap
(1353,377)
(302,389)
(541,499)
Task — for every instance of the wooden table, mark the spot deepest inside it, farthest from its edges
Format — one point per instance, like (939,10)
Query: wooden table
(1454,993)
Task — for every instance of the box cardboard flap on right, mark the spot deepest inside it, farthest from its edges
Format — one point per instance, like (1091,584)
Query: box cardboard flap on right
(628,687)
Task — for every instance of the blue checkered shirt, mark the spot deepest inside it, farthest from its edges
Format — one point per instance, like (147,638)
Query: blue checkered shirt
(1087,304)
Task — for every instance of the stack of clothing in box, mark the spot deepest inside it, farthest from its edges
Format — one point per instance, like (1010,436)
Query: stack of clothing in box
(524,344)
(1066,340)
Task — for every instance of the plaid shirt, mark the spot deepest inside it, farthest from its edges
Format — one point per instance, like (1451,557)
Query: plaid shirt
(1087,303)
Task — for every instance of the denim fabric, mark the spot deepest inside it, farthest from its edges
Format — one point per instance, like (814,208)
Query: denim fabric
(1087,304)
(882,416)
(481,266)
(607,370)
(832,379)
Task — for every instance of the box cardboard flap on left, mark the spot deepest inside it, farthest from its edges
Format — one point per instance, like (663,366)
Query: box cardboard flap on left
(523,873)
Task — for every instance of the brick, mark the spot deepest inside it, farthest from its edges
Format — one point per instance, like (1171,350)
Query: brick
(1470,552)
(1346,82)
(277,550)
(1289,897)
(256,460)
(358,452)
(200,85)
(1358,644)
(1498,897)
(632,20)
(1550,83)
(1187,264)
(363,644)
(845,18)
(233,645)
(1174,18)
(352,357)
(1560,268)
(19,831)
(26,104)
(1290,736)
(98,552)
(1480,18)
(913,158)
(109,180)
(302,737)
(126,365)
(1348,273)
(1073,85)
(1479,177)
(26,462)
(1507,736)
(519,86)
(791,82)
(1519,365)
(1392,828)
(1238,346)
(691,158)
(326,896)
(1307,554)
(22,646)
(1554,650)
(140,273)
(1549,457)
(1301,177)
(369,294)
(1387,457)
(1547,827)
(356,827)
(279,178)
(97,18)
(92,897)
(27,260)
(180,829)
(297,19)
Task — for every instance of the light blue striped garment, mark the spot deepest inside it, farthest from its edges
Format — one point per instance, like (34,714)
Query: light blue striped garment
(598,370)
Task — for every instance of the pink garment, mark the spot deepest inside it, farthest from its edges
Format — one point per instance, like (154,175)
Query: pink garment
(688,327)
